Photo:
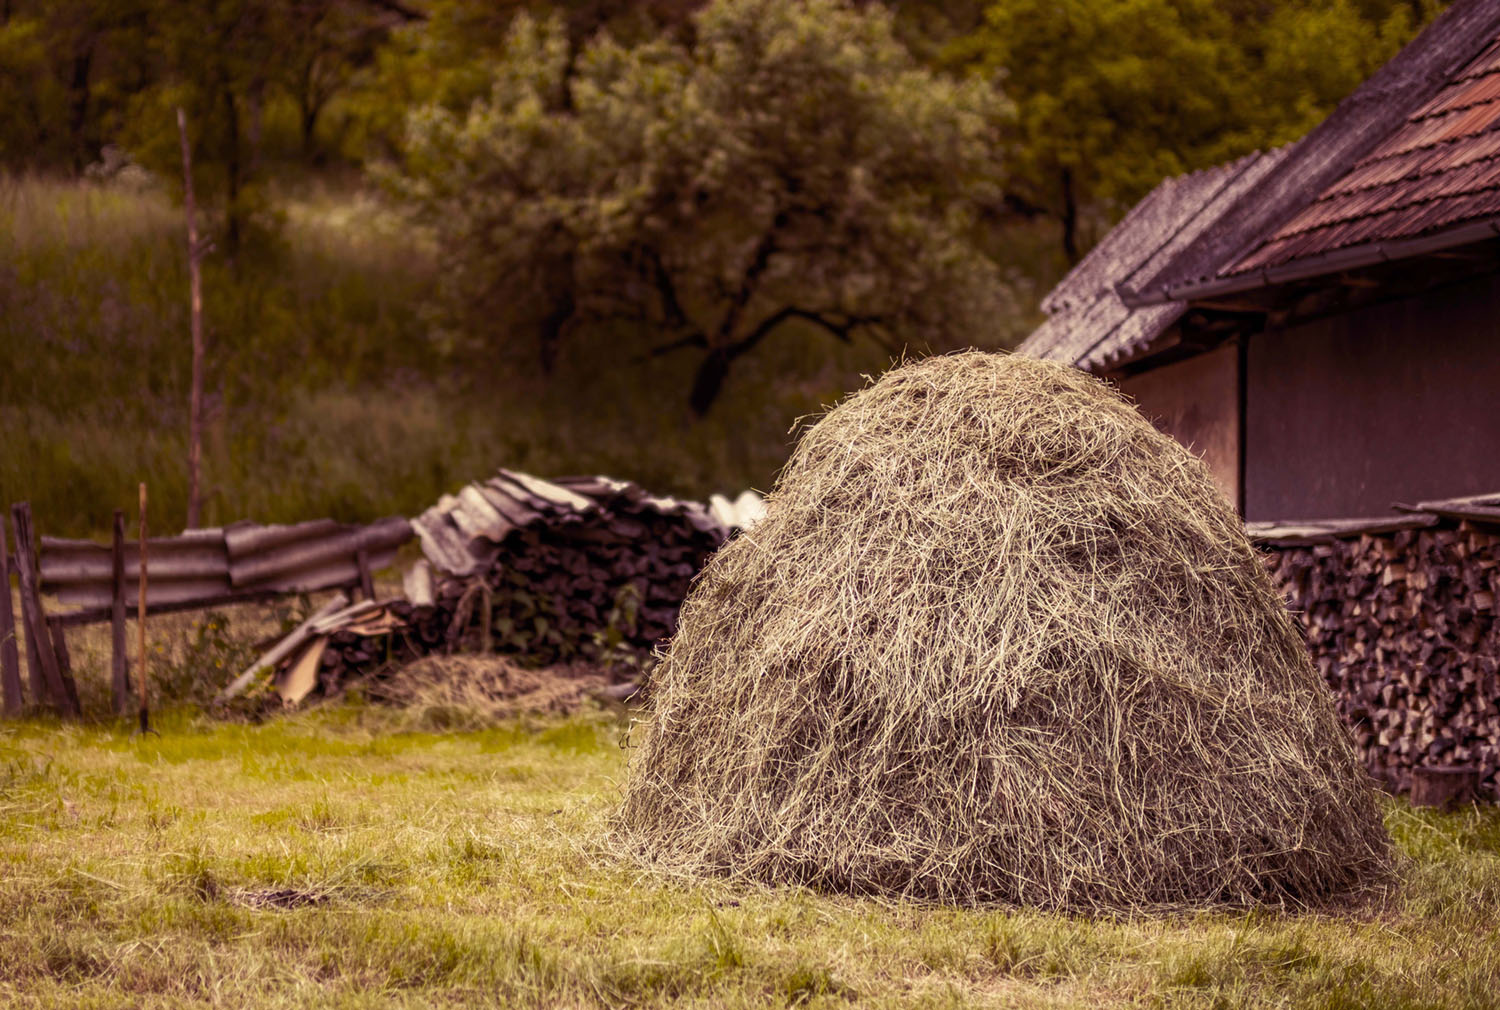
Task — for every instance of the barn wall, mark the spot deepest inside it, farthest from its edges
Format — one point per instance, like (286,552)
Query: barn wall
(1394,402)
(1195,401)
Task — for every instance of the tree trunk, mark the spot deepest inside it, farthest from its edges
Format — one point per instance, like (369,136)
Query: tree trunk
(232,168)
(78,88)
(709,380)
(1069,217)
(195,284)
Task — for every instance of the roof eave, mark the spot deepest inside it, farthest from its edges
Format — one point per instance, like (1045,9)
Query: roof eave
(1333,262)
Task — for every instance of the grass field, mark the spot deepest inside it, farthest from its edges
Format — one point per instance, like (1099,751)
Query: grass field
(349,857)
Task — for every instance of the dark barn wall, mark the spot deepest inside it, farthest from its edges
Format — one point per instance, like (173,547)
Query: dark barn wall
(1195,401)
(1398,401)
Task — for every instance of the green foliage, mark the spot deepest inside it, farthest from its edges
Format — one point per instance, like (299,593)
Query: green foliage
(1113,95)
(795,169)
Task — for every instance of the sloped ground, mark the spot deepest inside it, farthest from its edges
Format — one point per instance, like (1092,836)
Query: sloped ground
(340,858)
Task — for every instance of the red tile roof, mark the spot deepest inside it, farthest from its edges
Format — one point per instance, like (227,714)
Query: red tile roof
(1440,167)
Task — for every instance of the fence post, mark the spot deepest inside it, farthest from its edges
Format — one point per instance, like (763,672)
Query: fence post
(10,662)
(46,678)
(366,581)
(140,621)
(119,673)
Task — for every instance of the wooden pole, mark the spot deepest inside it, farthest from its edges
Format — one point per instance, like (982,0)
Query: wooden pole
(140,622)
(46,677)
(366,581)
(195,283)
(119,672)
(10,662)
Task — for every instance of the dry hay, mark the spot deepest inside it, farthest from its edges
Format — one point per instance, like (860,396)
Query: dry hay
(998,639)
(466,691)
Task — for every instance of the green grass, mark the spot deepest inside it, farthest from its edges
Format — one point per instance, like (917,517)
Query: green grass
(344,858)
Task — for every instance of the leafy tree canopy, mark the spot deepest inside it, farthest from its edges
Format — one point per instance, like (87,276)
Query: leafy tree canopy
(794,170)
(1111,96)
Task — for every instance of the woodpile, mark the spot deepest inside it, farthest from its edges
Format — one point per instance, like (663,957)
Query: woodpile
(548,572)
(1401,622)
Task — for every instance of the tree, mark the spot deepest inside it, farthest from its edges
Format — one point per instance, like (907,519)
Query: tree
(794,170)
(1111,96)
(65,66)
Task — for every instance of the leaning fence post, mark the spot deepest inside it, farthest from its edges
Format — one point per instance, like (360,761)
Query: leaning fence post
(46,678)
(119,674)
(10,662)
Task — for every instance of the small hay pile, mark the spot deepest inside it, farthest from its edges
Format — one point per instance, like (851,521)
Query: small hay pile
(998,639)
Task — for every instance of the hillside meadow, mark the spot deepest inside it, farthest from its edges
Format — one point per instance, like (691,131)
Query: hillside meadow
(334,385)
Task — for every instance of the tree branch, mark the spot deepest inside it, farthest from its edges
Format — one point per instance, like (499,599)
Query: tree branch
(396,7)
(709,379)
(750,280)
(691,340)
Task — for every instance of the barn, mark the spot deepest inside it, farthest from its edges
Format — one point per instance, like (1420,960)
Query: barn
(1321,322)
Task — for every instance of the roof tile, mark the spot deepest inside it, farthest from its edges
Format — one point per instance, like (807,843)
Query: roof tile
(1441,167)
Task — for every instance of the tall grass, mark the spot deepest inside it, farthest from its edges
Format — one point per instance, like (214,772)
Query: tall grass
(327,393)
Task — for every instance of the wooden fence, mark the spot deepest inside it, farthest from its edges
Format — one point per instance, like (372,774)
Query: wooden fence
(240,563)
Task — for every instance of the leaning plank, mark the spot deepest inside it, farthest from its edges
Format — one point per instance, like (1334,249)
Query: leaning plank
(283,649)
(10,663)
(40,645)
(302,676)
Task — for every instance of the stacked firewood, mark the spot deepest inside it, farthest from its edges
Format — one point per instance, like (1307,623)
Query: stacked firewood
(598,571)
(1402,625)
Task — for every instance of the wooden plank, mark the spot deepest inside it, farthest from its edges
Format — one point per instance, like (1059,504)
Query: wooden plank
(96,615)
(119,672)
(10,663)
(143,686)
(288,644)
(302,676)
(59,643)
(45,674)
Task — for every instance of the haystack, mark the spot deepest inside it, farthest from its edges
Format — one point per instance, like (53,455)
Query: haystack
(998,639)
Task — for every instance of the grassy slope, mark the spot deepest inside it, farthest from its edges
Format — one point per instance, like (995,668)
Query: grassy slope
(332,389)
(346,858)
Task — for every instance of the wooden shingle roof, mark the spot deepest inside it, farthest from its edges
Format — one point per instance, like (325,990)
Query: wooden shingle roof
(1087,323)
(1438,169)
(1413,156)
